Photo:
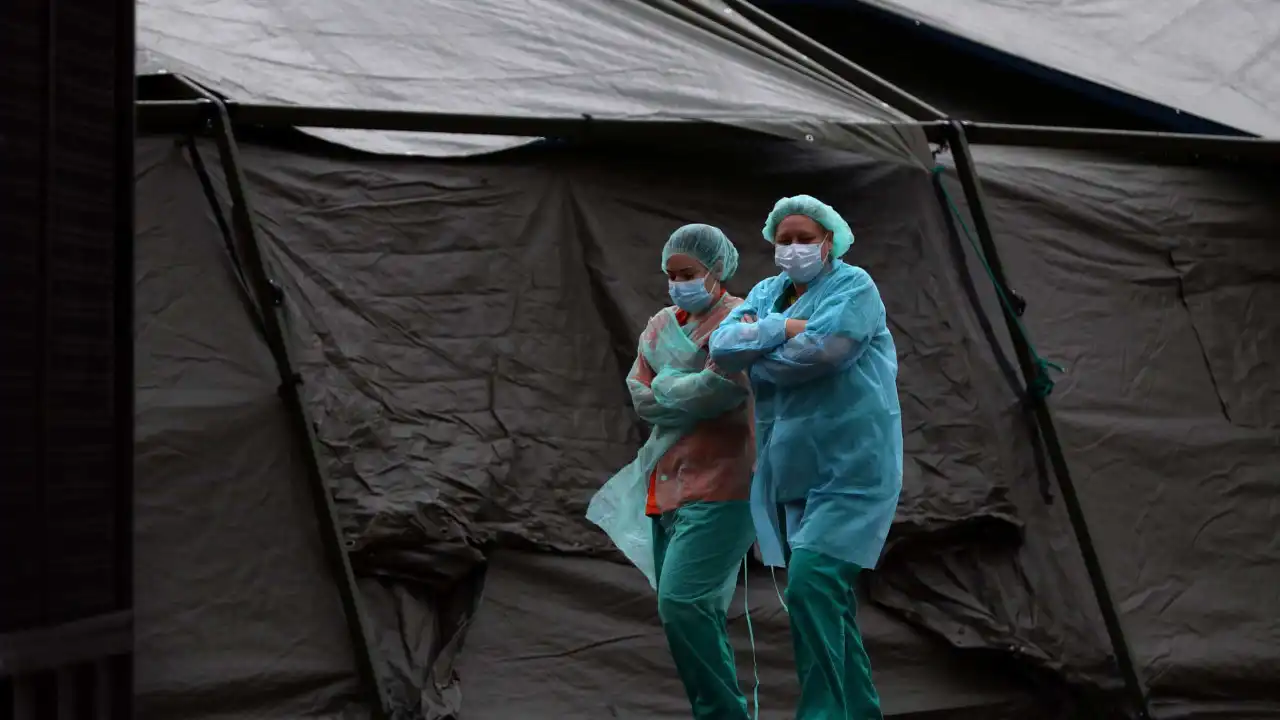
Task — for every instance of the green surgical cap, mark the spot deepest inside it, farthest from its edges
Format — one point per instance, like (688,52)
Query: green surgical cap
(706,244)
(819,212)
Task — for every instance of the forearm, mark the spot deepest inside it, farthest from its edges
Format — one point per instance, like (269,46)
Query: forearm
(703,395)
(805,357)
(643,401)
(655,413)
(735,346)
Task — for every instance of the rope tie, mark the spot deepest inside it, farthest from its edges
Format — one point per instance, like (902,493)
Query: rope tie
(1040,385)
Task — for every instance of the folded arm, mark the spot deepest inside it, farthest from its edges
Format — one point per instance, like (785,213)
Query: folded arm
(742,339)
(639,383)
(832,339)
(703,395)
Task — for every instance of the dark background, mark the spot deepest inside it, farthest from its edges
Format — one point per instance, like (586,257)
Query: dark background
(66,380)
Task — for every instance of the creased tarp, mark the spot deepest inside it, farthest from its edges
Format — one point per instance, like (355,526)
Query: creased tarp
(463,328)
(579,639)
(1218,59)
(1153,285)
(633,59)
(235,611)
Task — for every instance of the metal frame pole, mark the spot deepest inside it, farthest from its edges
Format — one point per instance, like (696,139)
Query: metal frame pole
(269,300)
(1167,147)
(848,70)
(1111,618)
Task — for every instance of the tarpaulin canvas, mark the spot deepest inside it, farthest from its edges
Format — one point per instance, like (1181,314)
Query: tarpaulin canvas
(612,661)
(462,329)
(1153,286)
(236,612)
(1217,59)
(625,59)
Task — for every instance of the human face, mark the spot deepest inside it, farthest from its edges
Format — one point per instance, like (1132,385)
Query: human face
(803,230)
(682,268)
(688,284)
(802,249)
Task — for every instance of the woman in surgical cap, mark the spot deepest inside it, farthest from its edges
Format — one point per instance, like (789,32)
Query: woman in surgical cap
(823,367)
(692,478)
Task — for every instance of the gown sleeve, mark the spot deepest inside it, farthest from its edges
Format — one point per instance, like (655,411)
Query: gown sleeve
(835,336)
(701,395)
(640,385)
(735,345)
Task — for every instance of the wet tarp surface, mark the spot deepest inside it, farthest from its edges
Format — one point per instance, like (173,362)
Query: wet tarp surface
(1156,288)
(634,59)
(1218,59)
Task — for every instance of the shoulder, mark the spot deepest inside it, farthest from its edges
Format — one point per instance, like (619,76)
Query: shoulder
(850,278)
(766,288)
(661,318)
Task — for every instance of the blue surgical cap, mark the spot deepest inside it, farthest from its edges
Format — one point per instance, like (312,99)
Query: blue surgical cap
(706,244)
(819,212)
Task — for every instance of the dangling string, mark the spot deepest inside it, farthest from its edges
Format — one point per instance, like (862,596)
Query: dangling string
(746,609)
(774,574)
(1041,384)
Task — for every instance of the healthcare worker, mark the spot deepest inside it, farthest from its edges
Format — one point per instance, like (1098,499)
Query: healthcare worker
(829,442)
(680,511)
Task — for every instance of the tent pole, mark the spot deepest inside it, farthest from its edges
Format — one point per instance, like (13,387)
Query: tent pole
(1162,145)
(1120,647)
(863,79)
(166,117)
(163,116)
(685,133)
(270,301)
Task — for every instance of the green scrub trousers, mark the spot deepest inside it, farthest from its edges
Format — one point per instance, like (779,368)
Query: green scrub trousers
(698,550)
(832,664)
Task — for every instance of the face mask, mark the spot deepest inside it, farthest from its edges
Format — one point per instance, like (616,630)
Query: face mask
(690,295)
(801,263)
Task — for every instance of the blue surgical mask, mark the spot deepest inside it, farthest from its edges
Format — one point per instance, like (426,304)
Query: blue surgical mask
(801,263)
(690,295)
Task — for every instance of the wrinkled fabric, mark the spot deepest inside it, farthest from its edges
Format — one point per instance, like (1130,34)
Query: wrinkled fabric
(831,662)
(1215,59)
(537,58)
(701,442)
(708,245)
(816,210)
(698,551)
(828,423)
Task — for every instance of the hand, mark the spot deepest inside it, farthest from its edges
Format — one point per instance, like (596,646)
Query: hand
(795,327)
(748,318)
